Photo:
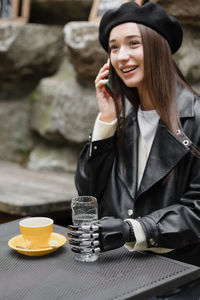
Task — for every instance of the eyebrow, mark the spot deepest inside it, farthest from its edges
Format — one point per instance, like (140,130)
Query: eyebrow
(126,37)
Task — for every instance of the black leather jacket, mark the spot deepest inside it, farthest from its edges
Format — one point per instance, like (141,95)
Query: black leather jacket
(167,203)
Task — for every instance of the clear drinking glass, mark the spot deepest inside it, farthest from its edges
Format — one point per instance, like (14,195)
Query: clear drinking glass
(84,212)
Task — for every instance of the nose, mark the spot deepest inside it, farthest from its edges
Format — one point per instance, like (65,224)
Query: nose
(123,54)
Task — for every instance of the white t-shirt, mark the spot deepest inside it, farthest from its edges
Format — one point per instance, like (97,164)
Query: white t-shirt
(148,123)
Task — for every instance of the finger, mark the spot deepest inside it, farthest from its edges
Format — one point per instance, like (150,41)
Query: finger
(79,228)
(105,67)
(82,235)
(101,76)
(92,227)
(103,72)
(101,83)
(75,233)
(85,250)
(84,243)
(73,227)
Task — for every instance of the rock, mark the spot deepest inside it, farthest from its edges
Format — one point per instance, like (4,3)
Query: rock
(28,52)
(187,57)
(15,138)
(84,49)
(53,158)
(186,12)
(59,11)
(63,110)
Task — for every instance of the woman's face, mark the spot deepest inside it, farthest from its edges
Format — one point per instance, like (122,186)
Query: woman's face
(126,53)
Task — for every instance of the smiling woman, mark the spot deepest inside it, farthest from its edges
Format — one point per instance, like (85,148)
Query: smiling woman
(142,163)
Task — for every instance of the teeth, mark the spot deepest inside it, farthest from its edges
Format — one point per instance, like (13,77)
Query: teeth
(128,69)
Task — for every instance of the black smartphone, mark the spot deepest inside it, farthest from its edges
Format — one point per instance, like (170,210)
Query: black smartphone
(109,85)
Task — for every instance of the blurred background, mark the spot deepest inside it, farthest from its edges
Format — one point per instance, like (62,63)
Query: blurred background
(49,58)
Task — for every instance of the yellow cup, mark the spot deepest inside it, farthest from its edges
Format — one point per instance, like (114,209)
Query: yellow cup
(36,231)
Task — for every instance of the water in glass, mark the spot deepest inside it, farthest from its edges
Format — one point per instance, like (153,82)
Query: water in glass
(85,212)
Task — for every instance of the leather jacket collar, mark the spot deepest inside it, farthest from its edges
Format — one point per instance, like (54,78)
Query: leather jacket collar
(167,150)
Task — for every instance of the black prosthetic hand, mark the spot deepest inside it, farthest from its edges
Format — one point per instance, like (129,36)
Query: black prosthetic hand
(106,234)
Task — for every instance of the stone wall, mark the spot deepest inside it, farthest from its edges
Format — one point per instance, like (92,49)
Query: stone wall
(187,58)
(47,72)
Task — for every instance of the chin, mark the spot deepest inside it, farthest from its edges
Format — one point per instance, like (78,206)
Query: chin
(132,84)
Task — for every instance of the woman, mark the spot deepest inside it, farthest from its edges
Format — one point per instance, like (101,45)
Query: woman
(145,174)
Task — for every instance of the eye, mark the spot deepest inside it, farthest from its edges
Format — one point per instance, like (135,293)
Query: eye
(113,47)
(134,43)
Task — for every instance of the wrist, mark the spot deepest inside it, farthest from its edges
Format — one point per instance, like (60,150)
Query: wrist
(107,119)
(132,237)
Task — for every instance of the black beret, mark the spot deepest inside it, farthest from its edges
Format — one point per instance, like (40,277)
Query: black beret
(150,14)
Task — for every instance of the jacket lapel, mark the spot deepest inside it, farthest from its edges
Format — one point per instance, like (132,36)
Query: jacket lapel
(167,150)
(165,153)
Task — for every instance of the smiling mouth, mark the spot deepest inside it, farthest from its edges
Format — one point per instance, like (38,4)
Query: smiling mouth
(127,70)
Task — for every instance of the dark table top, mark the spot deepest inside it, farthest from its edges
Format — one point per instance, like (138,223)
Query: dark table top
(117,274)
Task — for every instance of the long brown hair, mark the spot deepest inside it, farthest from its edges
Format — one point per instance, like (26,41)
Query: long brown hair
(161,75)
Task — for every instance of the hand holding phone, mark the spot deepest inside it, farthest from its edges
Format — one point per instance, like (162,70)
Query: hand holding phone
(104,95)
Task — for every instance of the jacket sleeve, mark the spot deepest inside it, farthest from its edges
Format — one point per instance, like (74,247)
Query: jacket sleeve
(177,225)
(94,166)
